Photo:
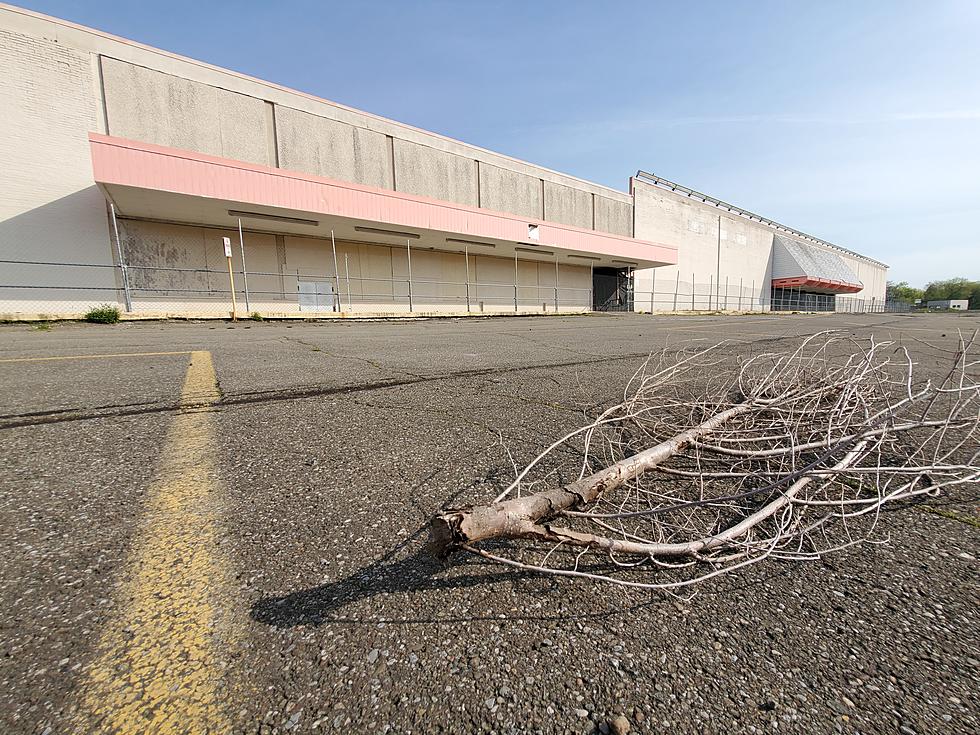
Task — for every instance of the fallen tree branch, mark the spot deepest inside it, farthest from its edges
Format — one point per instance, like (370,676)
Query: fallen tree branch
(517,518)
(830,428)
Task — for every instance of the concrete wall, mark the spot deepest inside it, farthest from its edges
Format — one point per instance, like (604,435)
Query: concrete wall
(613,215)
(873,276)
(724,260)
(567,205)
(325,147)
(50,209)
(427,171)
(148,105)
(710,244)
(509,191)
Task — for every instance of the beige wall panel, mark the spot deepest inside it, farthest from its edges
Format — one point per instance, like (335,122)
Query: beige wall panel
(147,105)
(576,286)
(433,173)
(509,191)
(529,295)
(337,150)
(567,206)
(376,263)
(265,283)
(546,275)
(612,215)
(489,271)
(312,257)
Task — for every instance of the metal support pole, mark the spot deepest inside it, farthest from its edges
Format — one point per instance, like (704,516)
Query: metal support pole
(591,285)
(718,264)
(653,286)
(693,289)
(726,293)
(122,264)
(241,243)
(556,283)
(677,284)
(740,293)
(350,304)
(411,306)
(231,281)
(711,291)
(336,274)
(762,306)
(516,309)
(466,254)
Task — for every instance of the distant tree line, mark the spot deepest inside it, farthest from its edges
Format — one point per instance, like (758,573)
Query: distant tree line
(952,288)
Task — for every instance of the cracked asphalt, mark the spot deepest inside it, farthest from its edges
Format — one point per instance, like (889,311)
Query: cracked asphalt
(328,448)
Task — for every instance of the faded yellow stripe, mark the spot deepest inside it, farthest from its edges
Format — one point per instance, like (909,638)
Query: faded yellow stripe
(157,669)
(94,357)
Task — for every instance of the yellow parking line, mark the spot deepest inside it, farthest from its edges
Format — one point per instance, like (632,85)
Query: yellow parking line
(92,357)
(157,667)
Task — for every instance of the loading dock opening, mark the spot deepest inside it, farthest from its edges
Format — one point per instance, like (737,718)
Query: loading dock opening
(612,289)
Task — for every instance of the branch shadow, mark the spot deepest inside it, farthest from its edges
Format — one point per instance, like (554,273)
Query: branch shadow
(420,570)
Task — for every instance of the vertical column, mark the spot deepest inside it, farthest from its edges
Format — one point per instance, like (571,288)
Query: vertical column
(466,255)
(241,243)
(122,263)
(515,283)
(411,306)
(350,304)
(556,283)
(336,274)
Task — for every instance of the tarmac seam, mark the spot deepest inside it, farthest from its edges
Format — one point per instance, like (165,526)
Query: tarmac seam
(270,396)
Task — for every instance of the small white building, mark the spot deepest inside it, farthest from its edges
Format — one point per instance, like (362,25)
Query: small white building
(956,304)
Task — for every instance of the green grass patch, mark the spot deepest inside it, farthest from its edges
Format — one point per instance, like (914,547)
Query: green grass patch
(104,314)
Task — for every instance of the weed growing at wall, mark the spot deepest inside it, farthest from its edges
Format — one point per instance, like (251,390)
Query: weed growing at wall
(104,314)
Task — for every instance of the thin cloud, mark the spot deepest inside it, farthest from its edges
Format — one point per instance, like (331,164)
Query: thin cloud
(638,124)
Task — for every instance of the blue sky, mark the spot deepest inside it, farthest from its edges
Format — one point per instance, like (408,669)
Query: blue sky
(858,122)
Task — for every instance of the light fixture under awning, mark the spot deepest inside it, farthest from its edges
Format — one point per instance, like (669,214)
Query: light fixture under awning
(272,217)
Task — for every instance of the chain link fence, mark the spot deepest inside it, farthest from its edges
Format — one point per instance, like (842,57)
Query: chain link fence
(701,297)
(738,295)
(41,290)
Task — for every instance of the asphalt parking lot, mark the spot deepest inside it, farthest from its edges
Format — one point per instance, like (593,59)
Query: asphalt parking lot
(221,528)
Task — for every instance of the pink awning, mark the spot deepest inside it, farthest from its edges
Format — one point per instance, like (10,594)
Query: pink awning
(151,168)
(824,285)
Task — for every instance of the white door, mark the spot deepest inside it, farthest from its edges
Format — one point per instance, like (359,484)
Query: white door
(315,295)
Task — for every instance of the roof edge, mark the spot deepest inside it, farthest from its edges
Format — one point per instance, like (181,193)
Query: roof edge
(669,185)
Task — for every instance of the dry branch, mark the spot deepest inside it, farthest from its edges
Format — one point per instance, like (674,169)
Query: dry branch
(704,465)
